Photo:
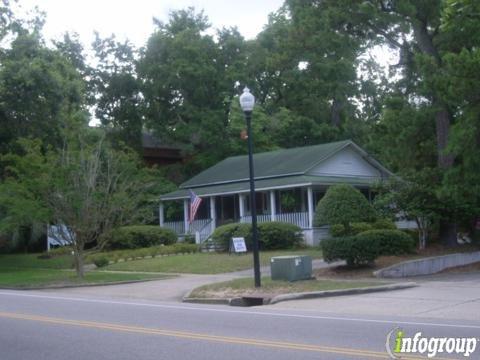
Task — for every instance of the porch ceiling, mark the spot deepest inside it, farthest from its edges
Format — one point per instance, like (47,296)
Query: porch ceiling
(269,184)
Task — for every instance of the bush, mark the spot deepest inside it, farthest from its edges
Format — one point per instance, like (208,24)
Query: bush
(343,204)
(100,261)
(223,234)
(139,236)
(278,235)
(339,230)
(359,227)
(384,224)
(390,242)
(354,250)
(271,235)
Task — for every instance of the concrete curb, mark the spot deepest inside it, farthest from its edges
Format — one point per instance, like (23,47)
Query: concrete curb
(214,301)
(305,295)
(343,292)
(68,286)
(428,265)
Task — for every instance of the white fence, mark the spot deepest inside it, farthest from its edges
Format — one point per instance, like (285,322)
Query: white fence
(300,218)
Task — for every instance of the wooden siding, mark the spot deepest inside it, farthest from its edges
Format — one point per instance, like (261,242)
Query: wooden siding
(347,162)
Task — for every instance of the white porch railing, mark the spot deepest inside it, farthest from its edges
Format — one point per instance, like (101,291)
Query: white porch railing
(201,225)
(177,226)
(299,218)
(205,226)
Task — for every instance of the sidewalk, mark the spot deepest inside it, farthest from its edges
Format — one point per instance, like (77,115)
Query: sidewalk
(173,289)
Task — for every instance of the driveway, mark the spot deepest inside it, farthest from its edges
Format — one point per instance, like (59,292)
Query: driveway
(450,296)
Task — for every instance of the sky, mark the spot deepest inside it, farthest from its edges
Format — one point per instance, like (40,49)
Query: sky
(133,19)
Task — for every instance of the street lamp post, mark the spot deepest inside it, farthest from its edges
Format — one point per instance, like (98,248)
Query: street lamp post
(247,101)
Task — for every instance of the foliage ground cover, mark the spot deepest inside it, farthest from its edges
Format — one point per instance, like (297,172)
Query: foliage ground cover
(245,286)
(206,263)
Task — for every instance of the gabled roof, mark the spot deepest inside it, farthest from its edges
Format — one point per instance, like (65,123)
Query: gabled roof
(278,163)
(286,168)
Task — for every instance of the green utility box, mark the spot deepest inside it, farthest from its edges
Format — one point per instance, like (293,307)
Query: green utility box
(291,268)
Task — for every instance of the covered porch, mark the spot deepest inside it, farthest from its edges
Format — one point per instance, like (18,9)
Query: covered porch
(293,204)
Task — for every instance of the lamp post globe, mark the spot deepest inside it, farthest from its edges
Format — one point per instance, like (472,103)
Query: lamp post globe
(247,102)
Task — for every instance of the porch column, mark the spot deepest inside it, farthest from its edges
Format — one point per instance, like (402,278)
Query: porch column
(273,211)
(185,215)
(241,205)
(304,207)
(213,213)
(161,214)
(310,207)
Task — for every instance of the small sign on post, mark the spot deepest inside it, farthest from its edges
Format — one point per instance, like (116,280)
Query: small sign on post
(238,246)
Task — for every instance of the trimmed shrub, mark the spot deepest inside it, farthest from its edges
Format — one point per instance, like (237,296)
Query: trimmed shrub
(384,224)
(139,236)
(278,235)
(223,234)
(359,227)
(337,230)
(343,204)
(390,242)
(100,261)
(271,235)
(355,251)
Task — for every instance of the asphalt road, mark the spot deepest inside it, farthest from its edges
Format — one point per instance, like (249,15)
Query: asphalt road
(39,325)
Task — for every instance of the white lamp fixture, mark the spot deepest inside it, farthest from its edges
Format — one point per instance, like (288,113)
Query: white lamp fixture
(247,100)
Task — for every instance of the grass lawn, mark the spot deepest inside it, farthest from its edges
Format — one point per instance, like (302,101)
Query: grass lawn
(19,278)
(244,286)
(27,270)
(31,261)
(206,263)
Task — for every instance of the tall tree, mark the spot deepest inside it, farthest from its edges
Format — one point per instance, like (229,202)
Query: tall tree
(40,93)
(118,101)
(87,187)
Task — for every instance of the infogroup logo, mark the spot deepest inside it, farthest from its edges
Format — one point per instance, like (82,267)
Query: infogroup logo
(398,343)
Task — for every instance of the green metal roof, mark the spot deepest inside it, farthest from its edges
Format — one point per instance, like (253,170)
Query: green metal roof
(274,169)
(267,184)
(294,161)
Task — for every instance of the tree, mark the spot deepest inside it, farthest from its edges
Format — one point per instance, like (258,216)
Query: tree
(39,91)
(86,186)
(117,90)
(413,199)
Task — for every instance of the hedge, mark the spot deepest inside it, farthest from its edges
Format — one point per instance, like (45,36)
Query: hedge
(271,235)
(354,251)
(355,228)
(391,242)
(366,246)
(116,255)
(138,236)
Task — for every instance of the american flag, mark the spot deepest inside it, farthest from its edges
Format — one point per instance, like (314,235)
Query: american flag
(194,205)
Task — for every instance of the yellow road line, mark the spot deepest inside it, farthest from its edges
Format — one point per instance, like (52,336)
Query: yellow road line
(205,337)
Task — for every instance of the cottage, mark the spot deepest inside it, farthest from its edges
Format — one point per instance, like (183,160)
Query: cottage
(288,184)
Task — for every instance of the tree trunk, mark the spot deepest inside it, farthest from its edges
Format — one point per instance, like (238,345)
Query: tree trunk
(336,109)
(78,254)
(448,233)
(442,126)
